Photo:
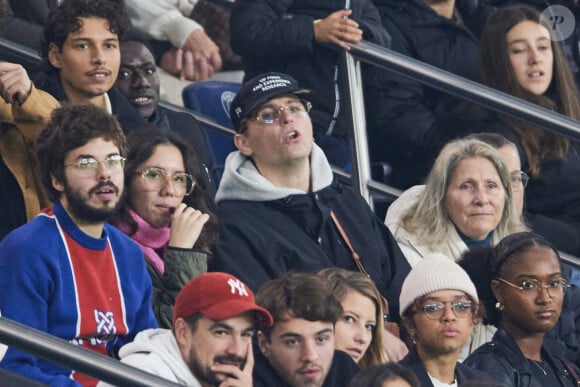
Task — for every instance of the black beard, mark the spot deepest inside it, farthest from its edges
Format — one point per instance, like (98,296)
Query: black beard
(82,211)
(207,375)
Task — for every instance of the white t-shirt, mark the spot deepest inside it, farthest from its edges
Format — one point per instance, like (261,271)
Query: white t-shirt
(438,383)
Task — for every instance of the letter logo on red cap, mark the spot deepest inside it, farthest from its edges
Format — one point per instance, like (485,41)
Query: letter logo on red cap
(237,285)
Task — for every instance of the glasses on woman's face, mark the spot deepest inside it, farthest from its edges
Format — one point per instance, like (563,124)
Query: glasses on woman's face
(532,287)
(270,115)
(436,310)
(156,178)
(519,179)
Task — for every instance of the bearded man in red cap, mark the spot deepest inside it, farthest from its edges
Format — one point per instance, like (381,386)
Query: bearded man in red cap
(214,320)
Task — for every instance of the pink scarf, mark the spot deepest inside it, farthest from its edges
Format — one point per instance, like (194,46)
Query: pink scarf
(149,238)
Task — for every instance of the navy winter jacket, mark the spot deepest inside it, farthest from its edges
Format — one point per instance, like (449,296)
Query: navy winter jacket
(463,373)
(408,122)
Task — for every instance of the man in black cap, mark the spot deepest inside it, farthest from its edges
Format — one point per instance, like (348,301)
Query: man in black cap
(278,205)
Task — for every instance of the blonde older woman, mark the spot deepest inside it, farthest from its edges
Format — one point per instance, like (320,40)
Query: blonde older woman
(467,201)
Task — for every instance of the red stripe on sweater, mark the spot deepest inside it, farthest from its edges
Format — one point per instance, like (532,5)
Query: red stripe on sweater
(99,299)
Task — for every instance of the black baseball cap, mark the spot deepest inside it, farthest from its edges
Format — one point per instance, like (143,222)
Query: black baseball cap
(259,90)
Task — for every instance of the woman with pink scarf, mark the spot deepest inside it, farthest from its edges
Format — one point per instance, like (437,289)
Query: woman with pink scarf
(166,212)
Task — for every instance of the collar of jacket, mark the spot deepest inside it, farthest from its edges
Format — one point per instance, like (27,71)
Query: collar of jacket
(512,353)
(127,116)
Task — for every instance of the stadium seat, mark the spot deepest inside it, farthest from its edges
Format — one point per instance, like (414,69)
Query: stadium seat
(213,99)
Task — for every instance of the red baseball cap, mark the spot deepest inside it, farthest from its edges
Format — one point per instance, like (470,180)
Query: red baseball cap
(218,296)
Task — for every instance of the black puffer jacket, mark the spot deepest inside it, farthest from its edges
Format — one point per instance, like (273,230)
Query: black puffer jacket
(278,35)
(408,122)
(503,360)
(266,230)
(260,240)
(463,373)
(342,370)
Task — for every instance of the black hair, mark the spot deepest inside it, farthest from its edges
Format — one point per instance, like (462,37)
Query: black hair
(142,144)
(375,375)
(136,36)
(486,263)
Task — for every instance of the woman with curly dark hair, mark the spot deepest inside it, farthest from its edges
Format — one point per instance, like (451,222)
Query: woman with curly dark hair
(166,212)
(522,287)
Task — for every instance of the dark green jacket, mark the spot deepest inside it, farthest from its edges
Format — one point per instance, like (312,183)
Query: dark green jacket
(181,265)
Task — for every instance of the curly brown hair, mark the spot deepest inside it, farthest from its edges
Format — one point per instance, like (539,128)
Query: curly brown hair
(71,127)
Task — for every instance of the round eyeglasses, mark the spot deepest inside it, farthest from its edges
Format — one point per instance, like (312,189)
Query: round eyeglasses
(156,178)
(270,114)
(88,166)
(436,310)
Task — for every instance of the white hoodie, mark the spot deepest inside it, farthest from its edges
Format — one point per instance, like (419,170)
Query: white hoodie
(156,351)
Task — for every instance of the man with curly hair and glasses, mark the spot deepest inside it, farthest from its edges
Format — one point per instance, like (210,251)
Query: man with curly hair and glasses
(68,272)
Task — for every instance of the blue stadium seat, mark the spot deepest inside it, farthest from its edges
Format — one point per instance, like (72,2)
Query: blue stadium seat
(213,99)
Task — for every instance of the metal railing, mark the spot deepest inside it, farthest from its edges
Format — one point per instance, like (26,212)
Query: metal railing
(440,79)
(65,354)
(114,372)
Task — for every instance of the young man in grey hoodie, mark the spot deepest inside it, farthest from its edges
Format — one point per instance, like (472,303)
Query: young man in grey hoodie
(279,207)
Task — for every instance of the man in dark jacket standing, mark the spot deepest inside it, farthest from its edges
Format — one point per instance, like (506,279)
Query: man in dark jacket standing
(296,37)
(277,198)
(409,122)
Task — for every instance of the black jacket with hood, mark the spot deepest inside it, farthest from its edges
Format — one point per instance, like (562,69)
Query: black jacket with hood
(267,230)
